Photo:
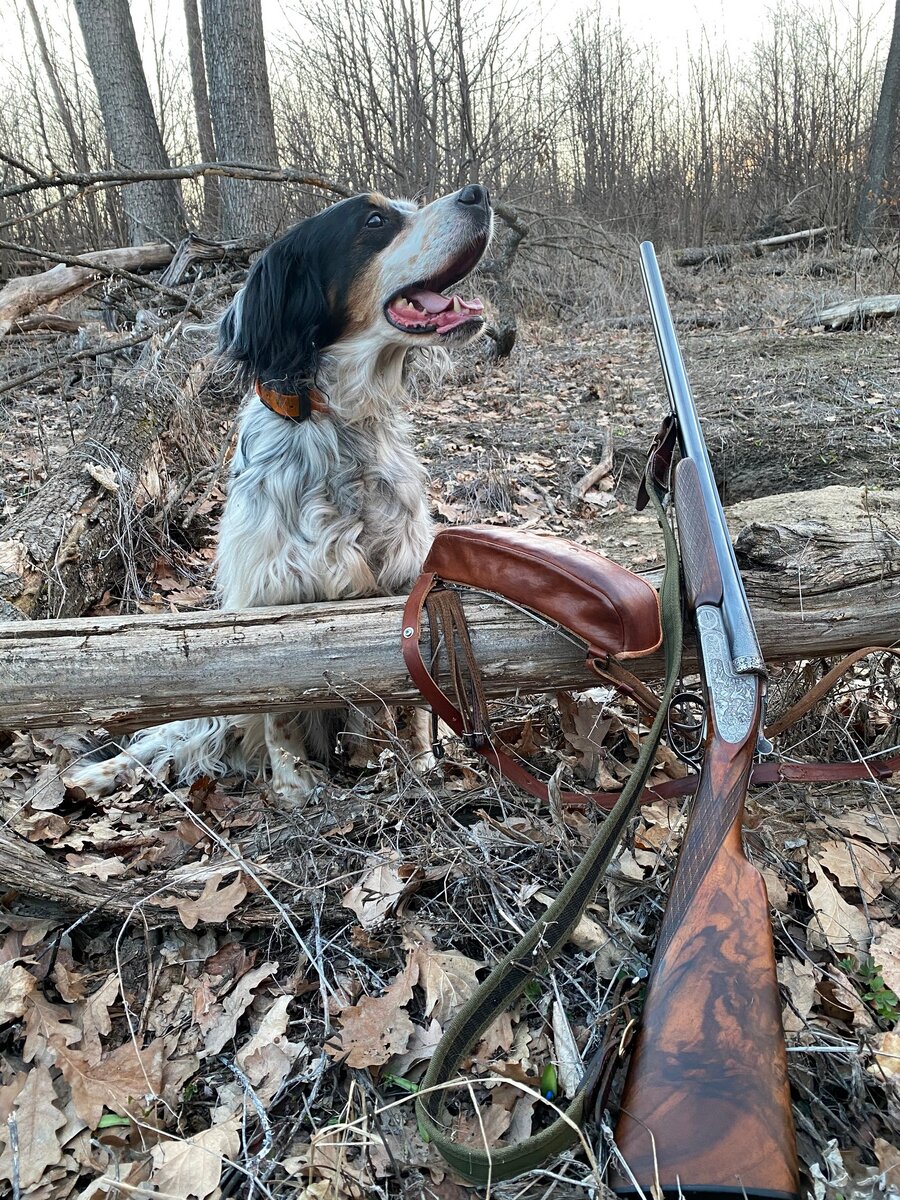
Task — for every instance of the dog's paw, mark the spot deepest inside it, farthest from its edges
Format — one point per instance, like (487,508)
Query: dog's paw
(99,778)
(294,779)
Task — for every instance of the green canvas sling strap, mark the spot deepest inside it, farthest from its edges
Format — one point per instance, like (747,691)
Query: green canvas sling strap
(543,942)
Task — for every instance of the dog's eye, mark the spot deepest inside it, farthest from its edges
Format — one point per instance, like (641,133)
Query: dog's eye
(375,220)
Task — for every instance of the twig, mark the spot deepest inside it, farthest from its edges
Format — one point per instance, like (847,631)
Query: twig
(263,1151)
(89,352)
(84,179)
(13,1141)
(73,260)
(19,165)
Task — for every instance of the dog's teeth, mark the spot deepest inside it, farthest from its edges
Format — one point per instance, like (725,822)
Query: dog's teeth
(457,307)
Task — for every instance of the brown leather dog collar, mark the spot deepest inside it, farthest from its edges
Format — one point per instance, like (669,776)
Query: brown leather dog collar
(297,407)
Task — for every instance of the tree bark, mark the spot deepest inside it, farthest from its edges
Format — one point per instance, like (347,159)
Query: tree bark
(68,543)
(884,135)
(23,295)
(241,108)
(823,579)
(205,138)
(153,209)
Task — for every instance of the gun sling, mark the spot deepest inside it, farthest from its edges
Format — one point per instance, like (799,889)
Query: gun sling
(612,586)
(596,600)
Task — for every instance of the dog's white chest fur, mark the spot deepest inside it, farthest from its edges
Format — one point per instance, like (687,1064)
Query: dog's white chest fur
(320,510)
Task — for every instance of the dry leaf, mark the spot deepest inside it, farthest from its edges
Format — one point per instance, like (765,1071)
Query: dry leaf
(497,1036)
(16,983)
(377,1028)
(213,905)
(449,979)
(485,1127)
(123,1081)
(94,1018)
(799,981)
(886,1064)
(191,1168)
(840,1000)
(888,1158)
(47,792)
(37,1122)
(96,867)
(626,864)
(378,894)
(419,1048)
(267,1058)
(885,952)
(568,1062)
(107,478)
(855,864)
(46,1025)
(589,935)
(234,1006)
(775,889)
(882,829)
(834,923)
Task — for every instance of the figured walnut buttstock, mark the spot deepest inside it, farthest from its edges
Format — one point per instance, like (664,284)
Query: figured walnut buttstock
(708,1078)
(700,567)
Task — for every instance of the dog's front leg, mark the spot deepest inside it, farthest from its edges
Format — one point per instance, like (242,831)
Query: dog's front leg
(294,778)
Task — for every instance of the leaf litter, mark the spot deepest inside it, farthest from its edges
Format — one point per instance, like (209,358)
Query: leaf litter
(231,997)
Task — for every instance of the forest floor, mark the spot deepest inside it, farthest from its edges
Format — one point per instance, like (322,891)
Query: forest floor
(256,1022)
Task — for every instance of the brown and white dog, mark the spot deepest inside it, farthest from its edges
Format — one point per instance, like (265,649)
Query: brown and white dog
(326,499)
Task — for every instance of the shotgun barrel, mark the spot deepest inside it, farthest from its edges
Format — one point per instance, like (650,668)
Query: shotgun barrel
(706,1106)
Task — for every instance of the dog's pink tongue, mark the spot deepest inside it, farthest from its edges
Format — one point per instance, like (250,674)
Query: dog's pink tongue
(432,302)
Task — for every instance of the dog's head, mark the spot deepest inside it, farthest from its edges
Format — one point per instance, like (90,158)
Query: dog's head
(366,268)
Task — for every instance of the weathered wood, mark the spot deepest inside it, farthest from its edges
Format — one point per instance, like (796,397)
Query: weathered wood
(26,868)
(722,254)
(22,296)
(853,314)
(824,579)
(61,550)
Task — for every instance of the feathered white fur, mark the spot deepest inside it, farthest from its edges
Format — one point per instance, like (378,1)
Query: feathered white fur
(330,508)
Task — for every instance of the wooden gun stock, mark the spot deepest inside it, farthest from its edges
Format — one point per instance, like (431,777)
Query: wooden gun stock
(706,1109)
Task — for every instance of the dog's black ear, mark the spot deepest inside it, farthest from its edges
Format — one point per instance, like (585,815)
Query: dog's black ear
(275,325)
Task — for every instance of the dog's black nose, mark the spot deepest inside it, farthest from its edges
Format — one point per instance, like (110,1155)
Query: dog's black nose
(474,193)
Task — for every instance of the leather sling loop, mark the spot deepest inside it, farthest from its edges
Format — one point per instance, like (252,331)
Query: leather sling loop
(544,940)
(468,716)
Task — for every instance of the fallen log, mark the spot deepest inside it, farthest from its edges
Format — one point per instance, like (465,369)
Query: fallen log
(723,254)
(824,579)
(60,551)
(852,314)
(22,296)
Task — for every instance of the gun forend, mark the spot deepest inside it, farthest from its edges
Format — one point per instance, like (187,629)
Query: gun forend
(700,564)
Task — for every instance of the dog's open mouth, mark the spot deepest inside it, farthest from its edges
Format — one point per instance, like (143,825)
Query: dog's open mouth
(425,308)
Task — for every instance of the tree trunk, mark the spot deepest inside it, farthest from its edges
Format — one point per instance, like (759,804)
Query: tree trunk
(154,208)
(823,579)
(205,138)
(69,541)
(884,136)
(241,108)
(77,145)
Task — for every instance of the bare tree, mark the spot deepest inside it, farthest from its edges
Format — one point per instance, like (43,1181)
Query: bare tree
(241,108)
(205,136)
(154,209)
(884,136)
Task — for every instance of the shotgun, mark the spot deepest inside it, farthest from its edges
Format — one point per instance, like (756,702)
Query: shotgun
(706,1106)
